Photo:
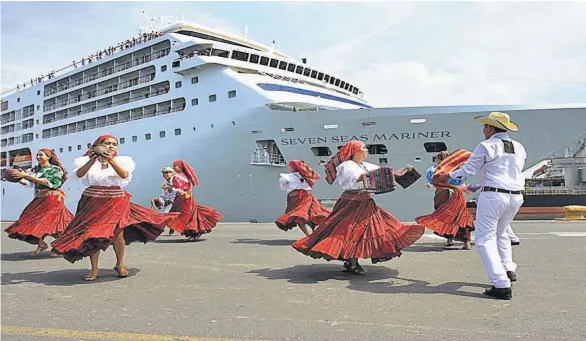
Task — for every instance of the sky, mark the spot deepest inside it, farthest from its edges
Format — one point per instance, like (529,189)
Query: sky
(397,53)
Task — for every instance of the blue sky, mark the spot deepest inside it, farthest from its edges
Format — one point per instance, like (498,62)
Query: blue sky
(398,53)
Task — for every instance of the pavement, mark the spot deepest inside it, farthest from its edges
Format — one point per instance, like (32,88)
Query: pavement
(245,282)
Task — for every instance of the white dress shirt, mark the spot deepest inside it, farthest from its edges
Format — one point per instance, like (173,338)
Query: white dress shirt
(499,169)
(290,182)
(96,176)
(348,172)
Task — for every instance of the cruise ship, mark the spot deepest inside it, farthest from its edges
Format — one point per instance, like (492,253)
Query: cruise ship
(238,111)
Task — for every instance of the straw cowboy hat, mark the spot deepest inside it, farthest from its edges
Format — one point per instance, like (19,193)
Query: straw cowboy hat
(167,170)
(499,120)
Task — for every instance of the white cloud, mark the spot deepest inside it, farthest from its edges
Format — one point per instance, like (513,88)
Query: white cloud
(496,54)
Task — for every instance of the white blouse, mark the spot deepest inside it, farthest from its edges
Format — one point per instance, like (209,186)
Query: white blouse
(292,181)
(348,172)
(96,176)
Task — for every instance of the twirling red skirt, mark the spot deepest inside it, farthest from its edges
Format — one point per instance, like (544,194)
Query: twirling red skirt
(46,215)
(302,208)
(102,214)
(193,219)
(450,219)
(357,228)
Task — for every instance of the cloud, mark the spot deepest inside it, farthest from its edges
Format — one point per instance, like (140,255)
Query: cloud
(489,53)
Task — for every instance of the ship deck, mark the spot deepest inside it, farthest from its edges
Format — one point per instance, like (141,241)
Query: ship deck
(244,281)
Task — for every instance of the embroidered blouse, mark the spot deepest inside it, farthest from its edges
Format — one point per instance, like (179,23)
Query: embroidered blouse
(348,172)
(51,173)
(96,176)
(290,182)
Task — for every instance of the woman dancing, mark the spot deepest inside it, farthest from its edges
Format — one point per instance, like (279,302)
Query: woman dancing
(194,220)
(302,207)
(105,214)
(357,227)
(46,215)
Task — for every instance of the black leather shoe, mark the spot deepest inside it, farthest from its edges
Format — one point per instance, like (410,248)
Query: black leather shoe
(516,243)
(500,293)
(512,276)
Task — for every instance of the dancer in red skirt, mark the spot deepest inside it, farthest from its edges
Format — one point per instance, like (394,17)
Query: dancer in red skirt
(105,214)
(46,215)
(194,220)
(356,228)
(302,207)
(450,219)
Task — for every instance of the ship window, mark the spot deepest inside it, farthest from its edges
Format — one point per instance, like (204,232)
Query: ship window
(122,140)
(320,76)
(435,147)
(283,65)
(343,84)
(264,61)
(366,124)
(377,149)
(147,136)
(254,58)
(37,136)
(383,160)
(79,147)
(306,72)
(177,131)
(326,78)
(61,150)
(212,98)
(274,63)
(313,74)
(337,82)
(18,100)
(330,126)
(291,67)
(163,68)
(70,148)
(332,80)
(355,91)
(284,130)
(162,134)
(321,151)
(178,84)
(38,108)
(38,92)
(194,80)
(231,93)
(176,63)
(417,120)
(299,70)
(238,55)
(134,138)
(194,102)
(347,86)
(89,145)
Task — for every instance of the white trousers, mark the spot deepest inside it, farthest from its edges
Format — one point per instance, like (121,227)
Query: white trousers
(494,214)
(512,234)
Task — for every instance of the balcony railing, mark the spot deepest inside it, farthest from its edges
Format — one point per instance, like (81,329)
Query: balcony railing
(262,157)
(109,71)
(117,121)
(96,93)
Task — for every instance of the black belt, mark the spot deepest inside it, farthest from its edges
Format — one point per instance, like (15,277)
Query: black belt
(500,190)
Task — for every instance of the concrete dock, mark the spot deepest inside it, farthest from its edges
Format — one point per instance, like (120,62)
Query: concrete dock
(245,282)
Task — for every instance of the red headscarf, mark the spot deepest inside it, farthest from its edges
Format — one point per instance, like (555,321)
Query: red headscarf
(189,172)
(101,140)
(54,160)
(344,154)
(306,172)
